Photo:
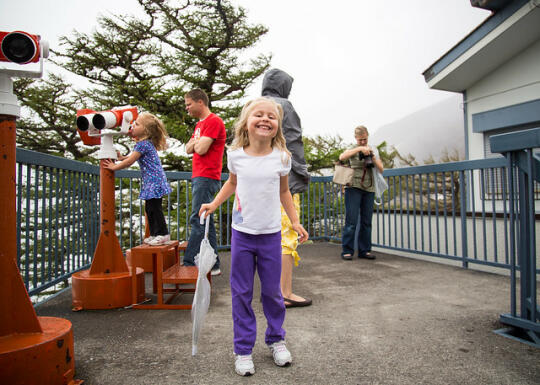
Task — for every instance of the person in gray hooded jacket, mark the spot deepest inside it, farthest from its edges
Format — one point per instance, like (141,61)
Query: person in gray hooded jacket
(277,85)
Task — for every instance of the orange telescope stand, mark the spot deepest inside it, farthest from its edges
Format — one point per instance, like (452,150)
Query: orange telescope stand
(107,284)
(33,350)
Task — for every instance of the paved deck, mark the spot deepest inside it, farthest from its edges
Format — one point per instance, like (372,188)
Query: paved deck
(390,321)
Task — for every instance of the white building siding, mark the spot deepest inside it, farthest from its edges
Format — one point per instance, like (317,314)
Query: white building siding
(512,83)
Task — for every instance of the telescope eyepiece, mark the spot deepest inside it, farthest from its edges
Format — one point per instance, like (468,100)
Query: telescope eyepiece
(99,121)
(18,47)
(82,123)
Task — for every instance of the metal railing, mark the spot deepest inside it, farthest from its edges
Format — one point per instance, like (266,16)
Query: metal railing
(57,218)
(445,210)
(451,210)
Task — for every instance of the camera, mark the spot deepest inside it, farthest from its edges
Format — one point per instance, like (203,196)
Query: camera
(368,159)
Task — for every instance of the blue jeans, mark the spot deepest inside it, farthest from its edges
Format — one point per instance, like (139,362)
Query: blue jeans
(202,191)
(357,200)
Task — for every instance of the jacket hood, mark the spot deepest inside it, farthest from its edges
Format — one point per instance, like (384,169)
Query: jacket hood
(277,83)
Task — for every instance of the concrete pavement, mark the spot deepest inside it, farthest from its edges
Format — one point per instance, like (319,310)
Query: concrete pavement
(390,321)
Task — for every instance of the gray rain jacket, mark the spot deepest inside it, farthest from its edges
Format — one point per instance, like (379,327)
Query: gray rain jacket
(277,84)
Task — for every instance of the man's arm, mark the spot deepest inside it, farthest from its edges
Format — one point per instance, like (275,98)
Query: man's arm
(190,146)
(353,151)
(202,145)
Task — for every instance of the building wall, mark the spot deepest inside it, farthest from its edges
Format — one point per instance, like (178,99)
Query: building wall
(514,83)
(506,86)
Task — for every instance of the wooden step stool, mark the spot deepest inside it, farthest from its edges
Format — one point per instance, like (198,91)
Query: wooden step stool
(177,275)
(145,261)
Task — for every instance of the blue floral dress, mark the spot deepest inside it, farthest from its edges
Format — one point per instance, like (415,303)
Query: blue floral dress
(154,182)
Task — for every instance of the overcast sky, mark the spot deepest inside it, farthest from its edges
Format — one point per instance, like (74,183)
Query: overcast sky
(354,62)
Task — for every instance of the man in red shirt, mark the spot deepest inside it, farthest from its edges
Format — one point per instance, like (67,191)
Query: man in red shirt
(207,145)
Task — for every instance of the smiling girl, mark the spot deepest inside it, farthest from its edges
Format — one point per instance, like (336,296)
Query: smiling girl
(259,164)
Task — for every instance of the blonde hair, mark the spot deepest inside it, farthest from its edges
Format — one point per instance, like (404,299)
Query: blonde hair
(360,130)
(241,138)
(155,130)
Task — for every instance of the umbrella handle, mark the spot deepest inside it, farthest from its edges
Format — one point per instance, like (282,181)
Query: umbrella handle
(207,225)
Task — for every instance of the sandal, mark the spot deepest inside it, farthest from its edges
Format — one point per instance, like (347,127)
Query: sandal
(292,303)
(347,257)
(367,255)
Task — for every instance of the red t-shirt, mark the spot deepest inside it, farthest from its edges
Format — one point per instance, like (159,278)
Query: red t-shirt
(209,164)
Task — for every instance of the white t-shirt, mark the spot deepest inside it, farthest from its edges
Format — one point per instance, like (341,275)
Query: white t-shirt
(256,207)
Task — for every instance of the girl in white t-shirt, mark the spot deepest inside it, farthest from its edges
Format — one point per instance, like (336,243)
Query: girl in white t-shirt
(259,164)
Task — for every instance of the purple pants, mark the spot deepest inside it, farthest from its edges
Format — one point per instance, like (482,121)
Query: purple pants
(249,253)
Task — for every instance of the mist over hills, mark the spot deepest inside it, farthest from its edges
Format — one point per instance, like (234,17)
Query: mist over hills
(426,132)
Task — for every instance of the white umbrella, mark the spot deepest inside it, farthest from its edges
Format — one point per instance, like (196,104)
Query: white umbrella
(205,260)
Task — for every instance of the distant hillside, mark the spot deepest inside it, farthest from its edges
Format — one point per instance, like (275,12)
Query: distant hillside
(427,132)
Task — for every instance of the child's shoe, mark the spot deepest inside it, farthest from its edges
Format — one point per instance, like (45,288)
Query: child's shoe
(282,356)
(148,240)
(244,365)
(160,240)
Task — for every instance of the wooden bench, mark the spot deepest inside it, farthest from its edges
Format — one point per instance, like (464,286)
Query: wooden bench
(183,277)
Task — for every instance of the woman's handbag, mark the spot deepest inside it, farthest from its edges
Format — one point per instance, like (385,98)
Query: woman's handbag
(343,174)
(380,186)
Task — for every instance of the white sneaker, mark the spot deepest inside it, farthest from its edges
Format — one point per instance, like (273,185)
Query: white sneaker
(148,240)
(216,271)
(282,356)
(244,365)
(160,240)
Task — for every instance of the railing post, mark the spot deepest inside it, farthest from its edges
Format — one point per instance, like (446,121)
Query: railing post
(526,244)
(518,147)
(463,215)
(326,236)
(512,233)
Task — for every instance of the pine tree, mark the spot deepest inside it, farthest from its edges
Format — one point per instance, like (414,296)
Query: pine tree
(321,152)
(48,122)
(152,61)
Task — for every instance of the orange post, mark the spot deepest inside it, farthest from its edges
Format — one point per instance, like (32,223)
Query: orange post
(33,350)
(108,256)
(17,315)
(107,284)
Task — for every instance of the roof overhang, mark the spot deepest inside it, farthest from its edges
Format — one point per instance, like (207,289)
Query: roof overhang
(492,5)
(498,39)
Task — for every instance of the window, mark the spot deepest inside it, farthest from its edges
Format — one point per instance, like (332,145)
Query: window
(495,181)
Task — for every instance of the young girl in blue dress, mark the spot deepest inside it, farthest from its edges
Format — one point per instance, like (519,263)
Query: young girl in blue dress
(259,164)
(150,134)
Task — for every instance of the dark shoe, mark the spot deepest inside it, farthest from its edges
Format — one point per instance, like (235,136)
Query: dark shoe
(292,303)
(367,255)
(347,257)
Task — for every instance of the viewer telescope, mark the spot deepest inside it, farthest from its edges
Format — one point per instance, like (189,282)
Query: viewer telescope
(18,47)
(22,48)
(94,122)
(92,126)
